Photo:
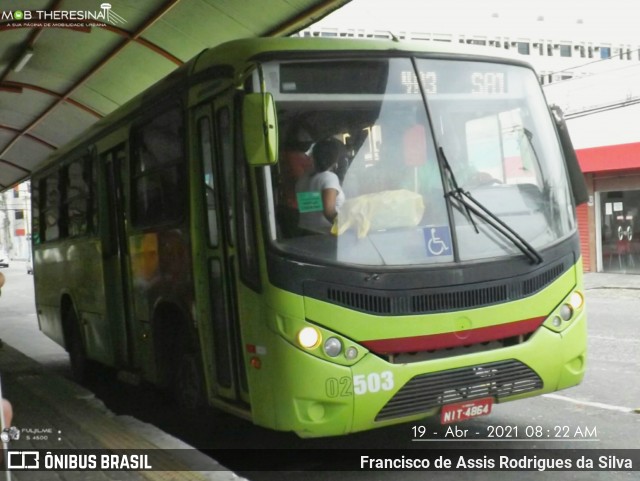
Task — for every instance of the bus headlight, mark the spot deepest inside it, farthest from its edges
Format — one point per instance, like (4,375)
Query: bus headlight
(566,311)
(576,300)
(332,347)
(309,337)
(351,353)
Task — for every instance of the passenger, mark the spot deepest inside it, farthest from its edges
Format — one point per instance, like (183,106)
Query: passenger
(294,162)
(319,193)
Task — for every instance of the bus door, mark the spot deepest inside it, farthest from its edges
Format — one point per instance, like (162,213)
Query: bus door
(115,256)
(215,145)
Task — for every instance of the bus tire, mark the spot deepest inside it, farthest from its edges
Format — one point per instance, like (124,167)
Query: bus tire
(188,383)
(80,364)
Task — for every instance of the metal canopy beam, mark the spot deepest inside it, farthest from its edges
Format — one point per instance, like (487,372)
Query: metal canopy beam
(77,73)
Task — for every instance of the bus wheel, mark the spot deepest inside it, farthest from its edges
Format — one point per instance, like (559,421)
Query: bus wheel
(188,385)
(77,355)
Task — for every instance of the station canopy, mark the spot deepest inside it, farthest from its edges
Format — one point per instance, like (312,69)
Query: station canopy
(64,64)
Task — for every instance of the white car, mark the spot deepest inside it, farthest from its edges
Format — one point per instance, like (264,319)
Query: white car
(4,259)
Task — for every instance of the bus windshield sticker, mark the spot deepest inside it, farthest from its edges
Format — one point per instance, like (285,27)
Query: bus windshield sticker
(309,202)
(438,240)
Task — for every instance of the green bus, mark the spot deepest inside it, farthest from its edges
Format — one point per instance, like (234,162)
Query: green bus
(167,239)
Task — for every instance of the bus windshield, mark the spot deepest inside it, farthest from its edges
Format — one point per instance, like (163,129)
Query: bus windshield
(401,128)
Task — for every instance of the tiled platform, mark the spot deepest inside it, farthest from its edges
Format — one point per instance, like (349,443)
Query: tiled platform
(52,413)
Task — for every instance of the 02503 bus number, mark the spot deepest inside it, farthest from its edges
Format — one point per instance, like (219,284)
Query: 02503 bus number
(362,384)
(338,387)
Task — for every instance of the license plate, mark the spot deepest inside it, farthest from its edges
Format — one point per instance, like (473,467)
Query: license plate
(452,413)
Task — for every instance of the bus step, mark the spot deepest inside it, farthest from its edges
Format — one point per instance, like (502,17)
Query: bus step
(129,377)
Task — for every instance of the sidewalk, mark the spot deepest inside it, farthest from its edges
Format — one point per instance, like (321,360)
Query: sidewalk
(53,413)
(600,280)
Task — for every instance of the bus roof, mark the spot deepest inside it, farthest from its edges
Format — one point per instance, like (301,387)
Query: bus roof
(238,55)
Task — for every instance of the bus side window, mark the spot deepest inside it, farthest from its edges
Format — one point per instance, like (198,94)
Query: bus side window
(206,154)
(246,221)
(225,144)
(158,170)
(51,210)
(36,188)
(76,202)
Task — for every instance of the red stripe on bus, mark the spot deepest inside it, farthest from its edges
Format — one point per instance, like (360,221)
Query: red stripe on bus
(453,339)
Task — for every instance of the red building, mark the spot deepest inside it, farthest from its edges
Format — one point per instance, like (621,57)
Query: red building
(610,223)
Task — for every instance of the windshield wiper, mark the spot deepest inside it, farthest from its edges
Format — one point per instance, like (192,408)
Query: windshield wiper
(473,206)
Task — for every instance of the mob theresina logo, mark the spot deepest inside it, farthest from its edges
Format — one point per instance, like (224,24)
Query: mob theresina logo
(105,15)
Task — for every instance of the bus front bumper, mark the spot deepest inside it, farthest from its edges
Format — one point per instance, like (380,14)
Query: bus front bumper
(315,398)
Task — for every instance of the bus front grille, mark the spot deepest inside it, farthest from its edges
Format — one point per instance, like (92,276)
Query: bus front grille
(427,391)
(383,302)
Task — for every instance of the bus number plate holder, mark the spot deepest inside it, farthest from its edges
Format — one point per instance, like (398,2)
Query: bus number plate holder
(452,413)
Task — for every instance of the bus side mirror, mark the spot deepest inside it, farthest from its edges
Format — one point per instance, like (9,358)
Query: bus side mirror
(260,129)
(576,178)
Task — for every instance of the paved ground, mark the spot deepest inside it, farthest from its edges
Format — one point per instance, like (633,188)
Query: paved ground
(611,281)
(54,413)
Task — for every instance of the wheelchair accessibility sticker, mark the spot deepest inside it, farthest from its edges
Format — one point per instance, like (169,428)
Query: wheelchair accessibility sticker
(438,240)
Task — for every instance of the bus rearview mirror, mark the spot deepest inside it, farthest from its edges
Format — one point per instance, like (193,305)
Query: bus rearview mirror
(260,129)
(576,177)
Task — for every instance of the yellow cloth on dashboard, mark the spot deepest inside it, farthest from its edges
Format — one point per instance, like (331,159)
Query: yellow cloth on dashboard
(382,210)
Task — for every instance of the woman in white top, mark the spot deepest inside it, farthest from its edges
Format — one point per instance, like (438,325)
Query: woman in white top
(318,192)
